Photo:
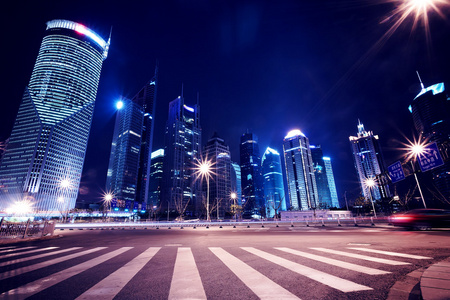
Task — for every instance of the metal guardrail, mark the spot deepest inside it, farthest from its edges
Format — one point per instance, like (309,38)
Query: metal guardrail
(17,230)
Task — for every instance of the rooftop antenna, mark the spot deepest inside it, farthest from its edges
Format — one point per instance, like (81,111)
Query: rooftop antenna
(421,83)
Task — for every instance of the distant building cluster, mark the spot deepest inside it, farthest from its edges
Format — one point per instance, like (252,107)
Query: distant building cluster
(42,161)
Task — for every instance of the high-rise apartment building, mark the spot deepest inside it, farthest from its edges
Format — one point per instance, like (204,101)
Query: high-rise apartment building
(300,171)
(252,180)
(369,163)
(331,182)
(431,114)
(156,178)
(218,153)
(122,177)
(146,99)
(182,150)
(273,182)
(48,142)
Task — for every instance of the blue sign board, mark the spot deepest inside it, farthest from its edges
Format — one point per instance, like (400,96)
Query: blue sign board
(430,158)
(396,172)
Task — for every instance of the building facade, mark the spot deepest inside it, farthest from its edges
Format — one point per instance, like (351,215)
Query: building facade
(156,178)
(331,182)
(48,142)
(236,185)
(182,150)
(251,176)
(320,172)
(369,163)
(218,153)
(430,110)
(300,172)
(273,182)
(122,177)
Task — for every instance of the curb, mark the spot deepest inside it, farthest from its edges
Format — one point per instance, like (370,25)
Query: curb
(435,281)
(408,288)
(17,241)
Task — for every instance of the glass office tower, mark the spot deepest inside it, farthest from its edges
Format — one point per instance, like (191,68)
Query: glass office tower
(323,188)
(273,182)
(300,171)
(48,142)
(156,178)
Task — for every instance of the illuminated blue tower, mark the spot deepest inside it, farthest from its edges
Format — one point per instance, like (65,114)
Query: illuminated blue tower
(273,182)
(48,142)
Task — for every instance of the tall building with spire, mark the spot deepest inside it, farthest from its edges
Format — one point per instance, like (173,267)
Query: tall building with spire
(369,163)
(273,182)
(301,179)
(48,142)
(252,180)
(430,111)
(218,153)
(182,149)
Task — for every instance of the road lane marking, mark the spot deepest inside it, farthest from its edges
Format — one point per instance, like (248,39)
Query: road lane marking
(16,261)
(324,278)
(9,249)
(262,286)
(335,262)
(359,256)
(27,252)
(39,285)
(109,287)
(391,253)
(186,282)
(44,264)
(16,249)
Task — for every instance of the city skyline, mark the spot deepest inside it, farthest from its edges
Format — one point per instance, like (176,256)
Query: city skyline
(294,81)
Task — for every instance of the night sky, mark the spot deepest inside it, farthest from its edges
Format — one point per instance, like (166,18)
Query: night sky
(265,66)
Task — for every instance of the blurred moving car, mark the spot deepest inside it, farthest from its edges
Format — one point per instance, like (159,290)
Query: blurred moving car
(423,219)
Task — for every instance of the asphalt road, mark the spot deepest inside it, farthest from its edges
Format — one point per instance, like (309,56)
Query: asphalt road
(219,263)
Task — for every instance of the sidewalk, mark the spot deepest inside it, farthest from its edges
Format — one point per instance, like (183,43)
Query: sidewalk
(7,241)
(435,281)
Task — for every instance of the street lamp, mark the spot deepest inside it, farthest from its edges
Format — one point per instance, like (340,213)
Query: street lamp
(370,183)
(416,150)
(234,196)
(107,198)
(204,169)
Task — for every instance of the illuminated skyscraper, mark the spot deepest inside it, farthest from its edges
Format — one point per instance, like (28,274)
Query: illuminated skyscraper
(331,182)
(122,176)
(431,114)
(252,180)
(146,98)
(156,177)
(320,172)
(273,182)
(182,149)
(236,185)
(300,171)
(220,183)
(369,162)
(48,142)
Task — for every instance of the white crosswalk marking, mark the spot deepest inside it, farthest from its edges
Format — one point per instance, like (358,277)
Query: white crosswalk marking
(109,287)
(391,253)
(324,278)
(46,282)
(358,256)
(335,262)
(186,281)
(47,263)
(11,262)
(262,286)
(15,249)
(28,252)
(7,249)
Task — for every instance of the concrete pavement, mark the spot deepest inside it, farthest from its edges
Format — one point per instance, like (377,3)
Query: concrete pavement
(435,281)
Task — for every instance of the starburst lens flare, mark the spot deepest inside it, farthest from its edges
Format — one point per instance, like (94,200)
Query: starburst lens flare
(370,182)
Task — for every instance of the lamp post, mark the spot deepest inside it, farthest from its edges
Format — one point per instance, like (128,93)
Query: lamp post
(416,150)
(204,169)
(107,199)
(370,183)
(234,196)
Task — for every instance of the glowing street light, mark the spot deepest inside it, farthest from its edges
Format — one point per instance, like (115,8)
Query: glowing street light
(107,198)
(234,196)
(370,183)
(416,150)
(204,170)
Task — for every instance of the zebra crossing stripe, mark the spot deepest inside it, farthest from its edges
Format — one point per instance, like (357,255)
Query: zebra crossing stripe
(39,285)
(109,287)
(16,249)
(16,261)
(47,263)
(7,249)
(262,286)
(186,281)
(28,252)
(359,256)
(335,262)
(324,278)
(391,253)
